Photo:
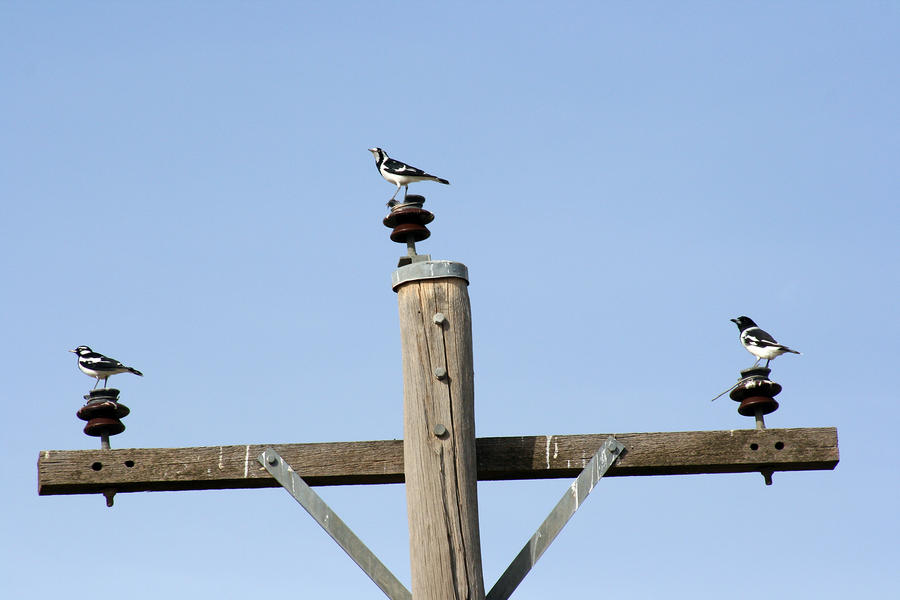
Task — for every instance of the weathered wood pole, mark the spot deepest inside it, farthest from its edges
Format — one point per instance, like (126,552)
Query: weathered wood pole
(439,431)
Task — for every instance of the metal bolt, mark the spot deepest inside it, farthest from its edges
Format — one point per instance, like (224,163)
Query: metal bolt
(439,319)
(272,460)
(439,430)
(440,373)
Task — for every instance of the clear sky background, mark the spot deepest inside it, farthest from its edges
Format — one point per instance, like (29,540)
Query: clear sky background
(186,187)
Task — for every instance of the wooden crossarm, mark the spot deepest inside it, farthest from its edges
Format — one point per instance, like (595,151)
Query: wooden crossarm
(499,458)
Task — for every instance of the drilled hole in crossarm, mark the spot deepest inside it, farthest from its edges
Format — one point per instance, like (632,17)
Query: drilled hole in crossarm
(129,463)
(779,445)
(97,466)
(754,446)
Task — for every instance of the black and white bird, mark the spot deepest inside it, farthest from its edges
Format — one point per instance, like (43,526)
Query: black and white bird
(400,174)
(94,364)
(759,343)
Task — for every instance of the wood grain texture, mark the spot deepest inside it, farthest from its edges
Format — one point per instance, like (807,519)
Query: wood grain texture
(378,462)
(439,440)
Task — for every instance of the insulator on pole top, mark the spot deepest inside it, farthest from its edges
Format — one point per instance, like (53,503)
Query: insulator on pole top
(407,221)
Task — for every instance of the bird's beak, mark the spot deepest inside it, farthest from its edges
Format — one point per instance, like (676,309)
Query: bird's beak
(73,350)
(733,320)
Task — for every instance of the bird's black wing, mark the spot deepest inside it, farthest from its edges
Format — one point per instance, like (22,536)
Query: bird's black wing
(98,362)
(398,168)
(758,337)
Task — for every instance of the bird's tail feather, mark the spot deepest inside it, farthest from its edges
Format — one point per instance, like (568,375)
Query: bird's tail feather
(444,181)
(786,349)
(135,371)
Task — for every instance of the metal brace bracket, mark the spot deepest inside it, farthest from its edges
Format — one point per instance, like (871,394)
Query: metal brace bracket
(574,497)
(333,525)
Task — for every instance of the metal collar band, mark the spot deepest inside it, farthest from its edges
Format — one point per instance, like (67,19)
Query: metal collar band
(431,269)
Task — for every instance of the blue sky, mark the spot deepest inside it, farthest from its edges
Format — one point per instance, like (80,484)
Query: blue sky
(186,187)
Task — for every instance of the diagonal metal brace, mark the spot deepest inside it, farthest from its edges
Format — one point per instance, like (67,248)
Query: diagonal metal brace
(602,460)
(333,525)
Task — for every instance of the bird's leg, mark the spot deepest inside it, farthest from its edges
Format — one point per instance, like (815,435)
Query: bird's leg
(396,192)
(405,192)
(756,363)
(96,383)
(767,362)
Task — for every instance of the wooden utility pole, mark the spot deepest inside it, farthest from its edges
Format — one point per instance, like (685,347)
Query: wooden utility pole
(439,432)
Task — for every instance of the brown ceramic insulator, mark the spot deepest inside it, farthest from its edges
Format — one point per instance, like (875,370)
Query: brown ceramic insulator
(755,386)
(103,413)
(402,233)
(104,426)
(756,392)
(409,219)
(103,394)
(102,408)
(750,405)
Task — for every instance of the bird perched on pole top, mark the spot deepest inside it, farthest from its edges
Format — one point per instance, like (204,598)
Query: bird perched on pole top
(759,343)
(94,364)
(400,174)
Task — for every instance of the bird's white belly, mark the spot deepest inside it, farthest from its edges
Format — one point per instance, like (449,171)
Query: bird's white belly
(90,372)
(102,374)
(401,180)
(765,353)
(396,179)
